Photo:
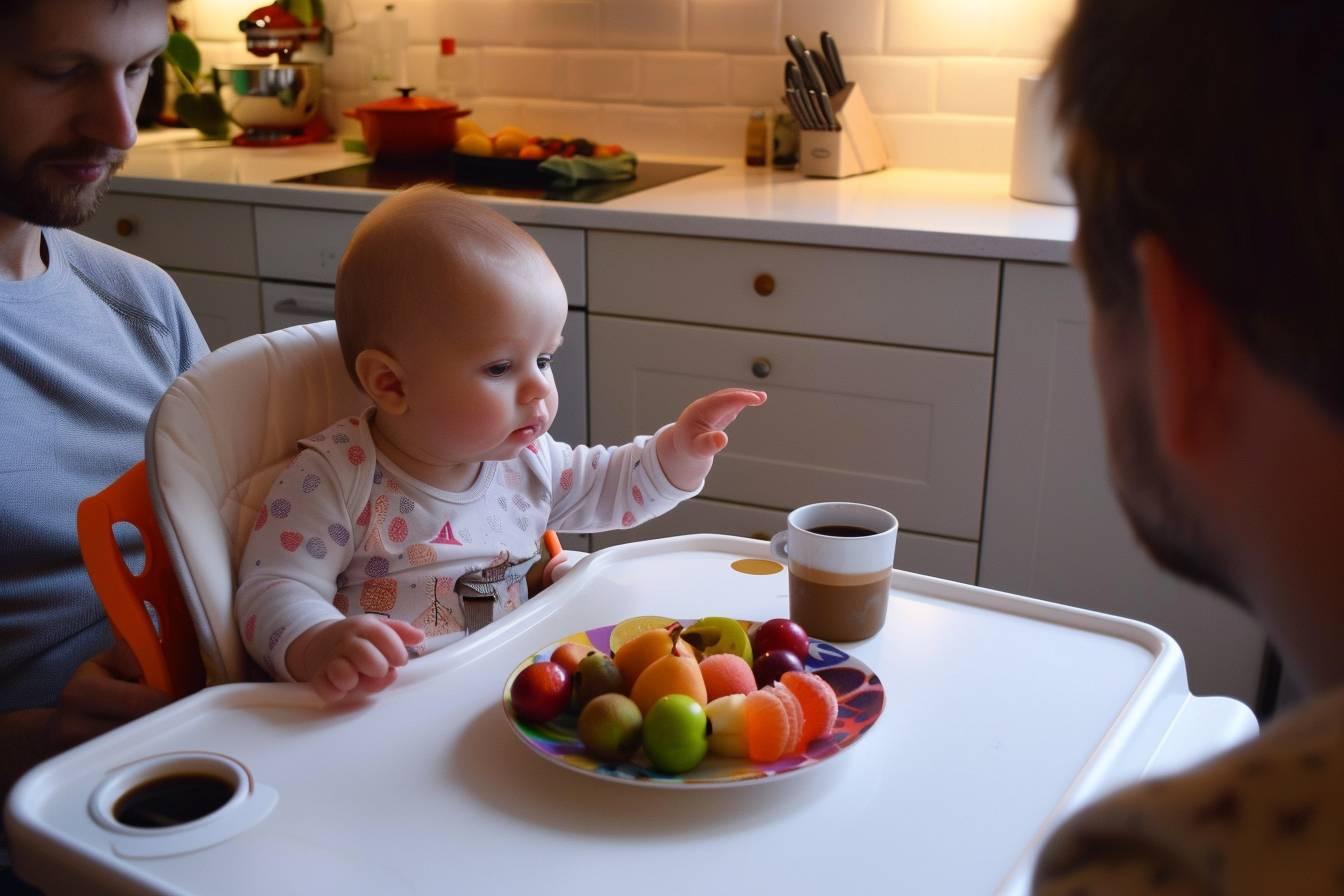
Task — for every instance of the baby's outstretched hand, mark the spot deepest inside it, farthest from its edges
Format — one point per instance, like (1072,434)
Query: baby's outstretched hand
(358,655)
(686,450)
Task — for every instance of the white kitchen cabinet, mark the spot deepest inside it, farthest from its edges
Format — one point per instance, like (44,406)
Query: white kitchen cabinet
(928,301)
(930,555)
(899,428)
(307,245)
(1053,529)
(184,234)
(226,308)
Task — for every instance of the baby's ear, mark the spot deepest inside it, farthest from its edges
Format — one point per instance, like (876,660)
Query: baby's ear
(381,378)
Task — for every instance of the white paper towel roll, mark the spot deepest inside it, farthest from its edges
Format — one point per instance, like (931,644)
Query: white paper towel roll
(1038,147)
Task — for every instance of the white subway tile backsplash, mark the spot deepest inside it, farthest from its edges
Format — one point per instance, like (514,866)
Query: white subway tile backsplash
(1030,27)
(643,24)
(684,78)
(479,22)
(519,72)
(646,129)
(856,25)
(558,118)
(982,86)
(736,26)
(946,28)
(558,23)
(717,131)
(493,113)
(959,142)
(895,86)
(679,76)
(757,80)
(601,75)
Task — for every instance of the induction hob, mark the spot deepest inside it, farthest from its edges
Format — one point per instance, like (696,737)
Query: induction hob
(392,177)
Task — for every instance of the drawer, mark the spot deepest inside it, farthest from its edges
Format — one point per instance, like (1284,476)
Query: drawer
(291,304)
(945,558)
(300,244)
(188,234)
(917,300)
(226,308)
(904,429)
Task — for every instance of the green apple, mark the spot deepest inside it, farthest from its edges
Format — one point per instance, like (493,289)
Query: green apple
(609,727)
(728,725)
(676,734)
(719,634)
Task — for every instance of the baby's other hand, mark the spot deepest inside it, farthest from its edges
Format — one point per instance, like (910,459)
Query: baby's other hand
(358,655)
(699,434)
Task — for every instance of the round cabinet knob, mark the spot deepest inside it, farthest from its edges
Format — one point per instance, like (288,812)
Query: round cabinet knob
(760,368)
(764,284)
(125,226)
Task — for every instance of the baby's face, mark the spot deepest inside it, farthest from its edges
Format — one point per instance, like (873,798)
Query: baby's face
(478,376)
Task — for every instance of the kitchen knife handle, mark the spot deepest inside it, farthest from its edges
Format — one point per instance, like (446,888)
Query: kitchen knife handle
(828,112)
(831,51)
(811,74)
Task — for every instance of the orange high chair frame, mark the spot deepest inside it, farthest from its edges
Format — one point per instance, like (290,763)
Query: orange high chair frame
(169,654)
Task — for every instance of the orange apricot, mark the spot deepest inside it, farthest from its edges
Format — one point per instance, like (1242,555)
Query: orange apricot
(670,675)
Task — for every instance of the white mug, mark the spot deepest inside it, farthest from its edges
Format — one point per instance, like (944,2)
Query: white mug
(839,557)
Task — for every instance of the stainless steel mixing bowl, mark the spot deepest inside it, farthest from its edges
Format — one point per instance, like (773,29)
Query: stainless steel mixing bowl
(270,97)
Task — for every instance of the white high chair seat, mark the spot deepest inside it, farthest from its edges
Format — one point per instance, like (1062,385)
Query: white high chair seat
(216,441)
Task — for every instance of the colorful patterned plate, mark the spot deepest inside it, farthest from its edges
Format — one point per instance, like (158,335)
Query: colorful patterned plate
(857,688)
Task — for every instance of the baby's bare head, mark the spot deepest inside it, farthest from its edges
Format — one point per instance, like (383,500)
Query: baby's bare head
(417,263)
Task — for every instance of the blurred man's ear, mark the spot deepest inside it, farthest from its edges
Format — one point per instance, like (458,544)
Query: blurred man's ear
(1188,352)
(382,380)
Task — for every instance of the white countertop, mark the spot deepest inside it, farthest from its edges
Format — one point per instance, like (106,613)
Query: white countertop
(898,209)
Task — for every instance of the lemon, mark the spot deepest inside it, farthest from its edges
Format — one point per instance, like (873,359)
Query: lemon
(467,126)
(512,131)
(635,626)
(474,145)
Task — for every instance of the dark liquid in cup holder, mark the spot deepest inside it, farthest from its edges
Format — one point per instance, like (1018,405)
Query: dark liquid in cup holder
(172,800)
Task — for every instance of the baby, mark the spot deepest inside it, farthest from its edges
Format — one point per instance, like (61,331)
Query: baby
(406,528)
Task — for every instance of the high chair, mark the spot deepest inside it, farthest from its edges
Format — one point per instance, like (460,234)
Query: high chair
(217,439)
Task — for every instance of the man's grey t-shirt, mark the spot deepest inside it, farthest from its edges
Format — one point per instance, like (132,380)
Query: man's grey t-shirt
(86,350)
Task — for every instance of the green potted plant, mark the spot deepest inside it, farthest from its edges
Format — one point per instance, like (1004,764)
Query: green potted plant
(199,108)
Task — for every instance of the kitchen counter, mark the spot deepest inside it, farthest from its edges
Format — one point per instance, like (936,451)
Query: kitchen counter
(905,210)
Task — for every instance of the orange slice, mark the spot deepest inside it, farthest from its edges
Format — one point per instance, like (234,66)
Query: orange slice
(817,700)
(767,724)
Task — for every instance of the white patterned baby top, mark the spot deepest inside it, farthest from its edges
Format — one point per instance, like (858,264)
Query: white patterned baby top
(344,532)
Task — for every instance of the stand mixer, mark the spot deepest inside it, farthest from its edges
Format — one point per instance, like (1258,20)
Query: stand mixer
(275,104)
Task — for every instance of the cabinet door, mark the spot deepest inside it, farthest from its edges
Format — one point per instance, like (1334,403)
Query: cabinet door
(226,308)
(187,234)
(946,558)
(306,245)
(291,304)
(1053,528)
(899,428)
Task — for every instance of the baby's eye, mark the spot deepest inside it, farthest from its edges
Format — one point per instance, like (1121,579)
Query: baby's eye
(545,361)
(498,369)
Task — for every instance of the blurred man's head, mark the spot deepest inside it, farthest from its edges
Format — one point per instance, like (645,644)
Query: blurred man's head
(1208,134)
(72,73)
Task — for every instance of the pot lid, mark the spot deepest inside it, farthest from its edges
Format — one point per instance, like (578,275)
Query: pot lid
(406,103)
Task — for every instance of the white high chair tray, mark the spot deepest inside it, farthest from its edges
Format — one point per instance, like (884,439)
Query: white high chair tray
(1002,715)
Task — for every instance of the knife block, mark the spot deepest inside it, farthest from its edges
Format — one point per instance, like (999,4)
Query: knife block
(856,148)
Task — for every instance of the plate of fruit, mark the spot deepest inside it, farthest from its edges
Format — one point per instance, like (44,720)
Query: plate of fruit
(512,154)
(664,702)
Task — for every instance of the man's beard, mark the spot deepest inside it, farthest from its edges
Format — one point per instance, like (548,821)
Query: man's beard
(1168,529)
(40,196)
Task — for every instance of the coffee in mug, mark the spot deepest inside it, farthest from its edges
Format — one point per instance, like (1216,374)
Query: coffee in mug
(839,557)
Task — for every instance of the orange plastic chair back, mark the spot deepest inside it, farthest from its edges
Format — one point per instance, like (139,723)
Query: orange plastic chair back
(169,656)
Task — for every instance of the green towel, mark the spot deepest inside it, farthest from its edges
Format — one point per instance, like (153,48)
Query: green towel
(570,172)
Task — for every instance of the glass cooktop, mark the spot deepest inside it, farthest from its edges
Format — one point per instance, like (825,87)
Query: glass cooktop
(391,177)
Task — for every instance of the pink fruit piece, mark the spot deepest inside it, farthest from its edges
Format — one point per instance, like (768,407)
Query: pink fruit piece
(726,673)
(767,725)
(817,700)
(795,713)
